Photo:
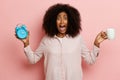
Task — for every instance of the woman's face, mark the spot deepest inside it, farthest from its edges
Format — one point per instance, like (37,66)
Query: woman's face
(62,21)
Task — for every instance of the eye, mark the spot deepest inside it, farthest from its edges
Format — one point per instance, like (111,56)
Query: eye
(58,18)
(65,17)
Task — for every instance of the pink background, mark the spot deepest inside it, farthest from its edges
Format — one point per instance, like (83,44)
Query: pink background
(97,15)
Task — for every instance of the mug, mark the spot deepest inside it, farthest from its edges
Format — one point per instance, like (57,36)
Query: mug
(110,33)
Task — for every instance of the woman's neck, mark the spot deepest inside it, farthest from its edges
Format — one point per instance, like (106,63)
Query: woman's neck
(61,35)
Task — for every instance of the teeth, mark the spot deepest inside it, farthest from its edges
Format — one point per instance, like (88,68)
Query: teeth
(62,28)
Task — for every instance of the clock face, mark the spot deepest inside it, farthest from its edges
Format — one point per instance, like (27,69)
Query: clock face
(21,33)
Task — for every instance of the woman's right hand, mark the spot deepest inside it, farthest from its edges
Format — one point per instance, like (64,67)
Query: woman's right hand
(25,41)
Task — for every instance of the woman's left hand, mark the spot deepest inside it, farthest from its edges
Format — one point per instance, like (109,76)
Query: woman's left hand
(100,38)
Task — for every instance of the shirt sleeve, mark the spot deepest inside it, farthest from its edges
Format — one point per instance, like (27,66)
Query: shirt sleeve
(34,56)
(89,56)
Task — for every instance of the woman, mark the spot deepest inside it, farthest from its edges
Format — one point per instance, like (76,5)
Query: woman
(63,46)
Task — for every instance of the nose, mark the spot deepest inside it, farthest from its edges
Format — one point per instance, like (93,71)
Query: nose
(62,21)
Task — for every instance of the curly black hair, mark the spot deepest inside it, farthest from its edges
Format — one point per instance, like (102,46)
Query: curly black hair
(49,20)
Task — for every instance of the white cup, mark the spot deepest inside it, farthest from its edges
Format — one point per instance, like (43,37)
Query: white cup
(110,33)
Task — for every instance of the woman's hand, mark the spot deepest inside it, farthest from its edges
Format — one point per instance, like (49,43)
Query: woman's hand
(100,38)
(25,41)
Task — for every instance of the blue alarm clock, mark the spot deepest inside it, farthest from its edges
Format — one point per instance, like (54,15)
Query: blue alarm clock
(21,31)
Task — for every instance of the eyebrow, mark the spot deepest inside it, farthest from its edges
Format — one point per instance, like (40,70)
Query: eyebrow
(63,15)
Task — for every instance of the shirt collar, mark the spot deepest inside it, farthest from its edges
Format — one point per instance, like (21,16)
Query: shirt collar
(66,36)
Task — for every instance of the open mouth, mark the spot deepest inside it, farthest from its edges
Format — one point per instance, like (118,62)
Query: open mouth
(62,27)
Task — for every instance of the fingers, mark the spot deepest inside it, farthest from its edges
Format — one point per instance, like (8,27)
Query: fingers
(28,34)
(104,35)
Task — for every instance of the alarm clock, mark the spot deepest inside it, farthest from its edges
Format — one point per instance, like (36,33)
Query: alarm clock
(21,31)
